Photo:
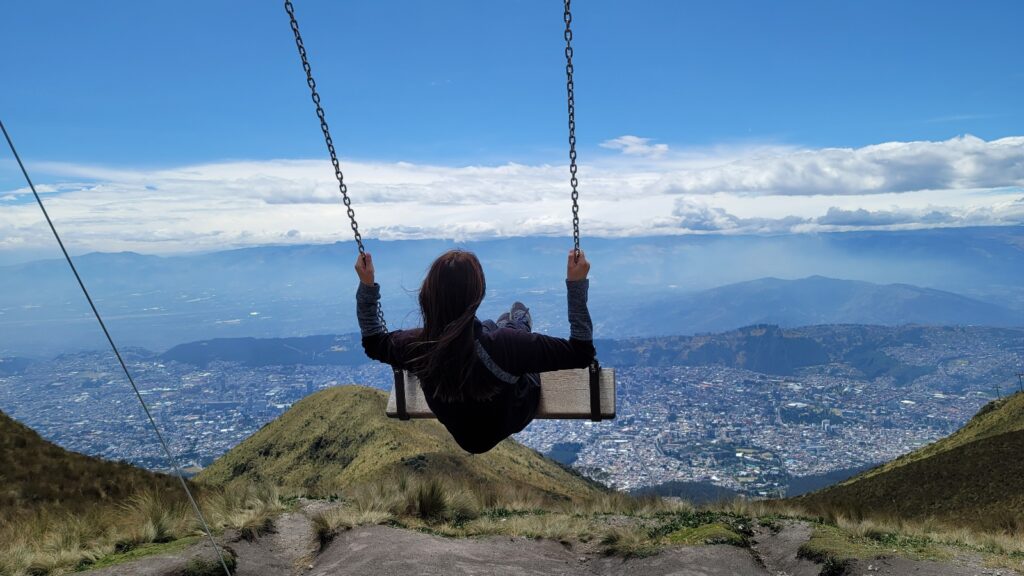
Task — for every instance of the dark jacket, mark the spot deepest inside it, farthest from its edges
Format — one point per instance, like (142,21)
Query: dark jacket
(507,360)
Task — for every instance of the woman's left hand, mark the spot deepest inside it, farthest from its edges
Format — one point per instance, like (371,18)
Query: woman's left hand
(577,268)
(364,268)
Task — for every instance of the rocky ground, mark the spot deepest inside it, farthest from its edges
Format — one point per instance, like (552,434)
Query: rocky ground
(291,550)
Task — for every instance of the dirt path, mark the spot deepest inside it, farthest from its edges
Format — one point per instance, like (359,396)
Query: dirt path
(778,550)
(285,551)
(383,551)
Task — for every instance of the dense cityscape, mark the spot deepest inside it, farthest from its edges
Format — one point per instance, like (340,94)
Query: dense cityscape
(730,427)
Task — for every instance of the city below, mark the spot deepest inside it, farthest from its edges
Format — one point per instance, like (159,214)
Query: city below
(735,428)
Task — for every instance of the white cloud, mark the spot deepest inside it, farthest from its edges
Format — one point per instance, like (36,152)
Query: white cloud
(41,189)
(764,189)
(959,163)
(698,216)
(635,146)
(861,217)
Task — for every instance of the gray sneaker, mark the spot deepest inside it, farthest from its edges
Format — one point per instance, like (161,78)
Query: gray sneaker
(520,314)
(504,320)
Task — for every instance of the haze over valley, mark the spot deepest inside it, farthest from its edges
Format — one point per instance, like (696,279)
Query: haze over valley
(640,286)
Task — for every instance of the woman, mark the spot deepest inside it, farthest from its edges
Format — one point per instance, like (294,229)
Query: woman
(479,378)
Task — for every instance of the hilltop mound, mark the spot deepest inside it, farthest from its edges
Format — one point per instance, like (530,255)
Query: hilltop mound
(973,477)
(339,438)
(36,474)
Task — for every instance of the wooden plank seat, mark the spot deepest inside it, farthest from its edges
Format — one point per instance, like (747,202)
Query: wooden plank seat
(565,394)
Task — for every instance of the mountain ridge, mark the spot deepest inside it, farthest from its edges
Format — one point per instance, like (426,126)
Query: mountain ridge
(813,300)
(767,349)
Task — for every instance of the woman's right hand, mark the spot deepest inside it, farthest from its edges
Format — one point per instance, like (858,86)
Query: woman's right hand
(364,268)
(577,268)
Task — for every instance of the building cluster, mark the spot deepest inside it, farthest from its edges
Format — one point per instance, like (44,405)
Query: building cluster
(730,427)
(84,403)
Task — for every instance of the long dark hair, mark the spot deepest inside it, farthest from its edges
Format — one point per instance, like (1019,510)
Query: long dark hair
(450,295)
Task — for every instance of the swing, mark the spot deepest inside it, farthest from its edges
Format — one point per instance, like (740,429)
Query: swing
(564,394)
(586,393)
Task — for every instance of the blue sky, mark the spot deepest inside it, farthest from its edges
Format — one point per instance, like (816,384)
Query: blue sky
(160,83)
(146,86)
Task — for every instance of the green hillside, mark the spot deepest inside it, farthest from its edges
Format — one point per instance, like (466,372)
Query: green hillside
(61,511)
(37,475)
(973,477)
(339,438)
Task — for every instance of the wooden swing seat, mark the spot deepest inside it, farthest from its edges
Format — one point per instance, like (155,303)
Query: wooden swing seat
(584,393)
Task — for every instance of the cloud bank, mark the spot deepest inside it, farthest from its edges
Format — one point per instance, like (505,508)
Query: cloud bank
(965,162)
(637,188)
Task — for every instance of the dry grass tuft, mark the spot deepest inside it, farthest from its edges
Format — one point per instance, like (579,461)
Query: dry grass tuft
(47,543)
(248,508)
(155,518)
(619,503)
(628,542)
(553,526)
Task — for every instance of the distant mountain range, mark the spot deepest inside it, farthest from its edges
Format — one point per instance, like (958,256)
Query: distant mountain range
(763,348)
(640,286)
(809,301)
(974,477)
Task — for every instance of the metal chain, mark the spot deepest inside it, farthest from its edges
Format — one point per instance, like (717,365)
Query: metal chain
(342,187)
(567,17)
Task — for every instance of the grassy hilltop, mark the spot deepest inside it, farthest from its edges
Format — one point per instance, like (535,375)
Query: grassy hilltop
(340,438)
(974,477)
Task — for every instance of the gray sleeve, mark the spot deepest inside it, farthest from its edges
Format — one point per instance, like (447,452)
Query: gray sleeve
(580,325)
(367,299)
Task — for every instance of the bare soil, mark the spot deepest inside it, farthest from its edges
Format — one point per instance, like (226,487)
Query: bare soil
(383,551)
(904,567)
(778,550)
(291,550)
(287,550)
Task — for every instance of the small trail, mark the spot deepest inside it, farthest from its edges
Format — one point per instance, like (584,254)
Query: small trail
(384,551)
(778,550)
(284,552)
